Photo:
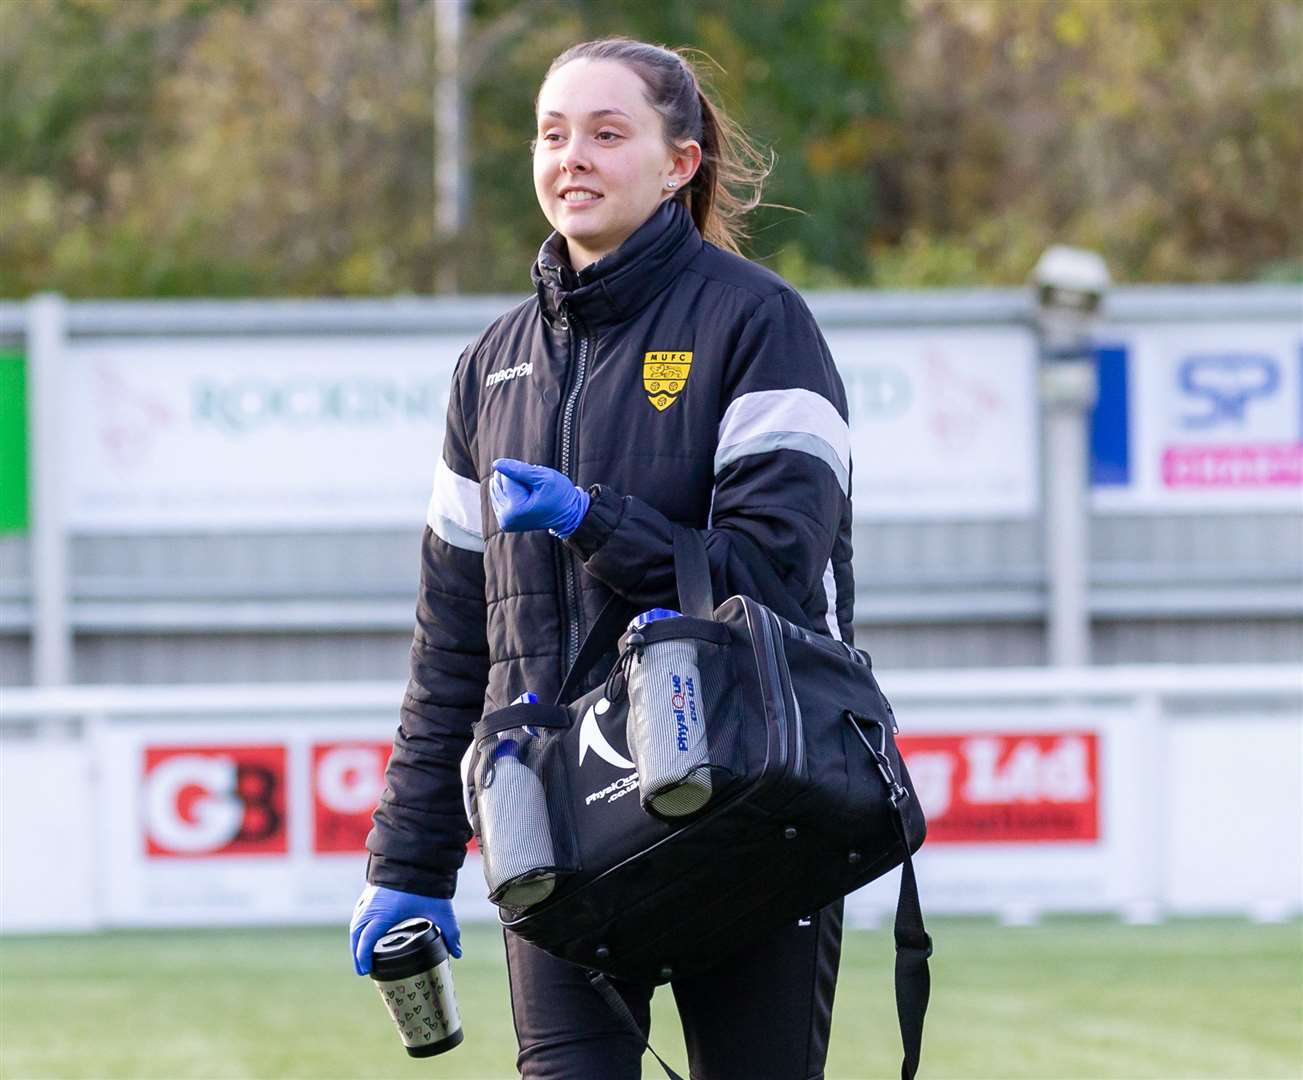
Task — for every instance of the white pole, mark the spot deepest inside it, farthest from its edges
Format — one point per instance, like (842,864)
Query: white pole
(47,535)
(1067,392)
(1070,284)
(449,140)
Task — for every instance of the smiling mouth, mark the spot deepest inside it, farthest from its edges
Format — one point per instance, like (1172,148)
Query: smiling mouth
(580,198)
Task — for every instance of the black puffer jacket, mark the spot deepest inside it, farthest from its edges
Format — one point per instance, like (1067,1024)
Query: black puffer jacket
(685,385)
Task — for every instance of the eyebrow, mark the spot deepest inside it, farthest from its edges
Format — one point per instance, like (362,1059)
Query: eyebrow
(594,115)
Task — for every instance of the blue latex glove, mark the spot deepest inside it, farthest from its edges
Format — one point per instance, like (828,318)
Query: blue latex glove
(378,909)
(526,497)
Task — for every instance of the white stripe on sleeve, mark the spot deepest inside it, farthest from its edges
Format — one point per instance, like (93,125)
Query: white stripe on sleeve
(830,591)
(768,420)
(454,510)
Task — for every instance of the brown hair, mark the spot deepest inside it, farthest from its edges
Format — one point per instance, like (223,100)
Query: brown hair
(729,182)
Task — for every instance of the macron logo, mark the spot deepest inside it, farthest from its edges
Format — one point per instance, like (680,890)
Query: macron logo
(506,374)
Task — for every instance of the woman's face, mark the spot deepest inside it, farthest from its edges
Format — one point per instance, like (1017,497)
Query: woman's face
(601,163)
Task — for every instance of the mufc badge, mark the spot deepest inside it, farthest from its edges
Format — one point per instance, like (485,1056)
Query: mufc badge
(664,375)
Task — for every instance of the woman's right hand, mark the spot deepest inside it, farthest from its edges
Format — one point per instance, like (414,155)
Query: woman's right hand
(378,909)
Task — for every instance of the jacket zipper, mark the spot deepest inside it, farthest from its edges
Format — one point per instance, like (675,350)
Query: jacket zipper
(569,435)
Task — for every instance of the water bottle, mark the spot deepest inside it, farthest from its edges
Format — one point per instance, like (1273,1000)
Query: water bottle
(411,969)
(514,827)
(525,699)
(667,723)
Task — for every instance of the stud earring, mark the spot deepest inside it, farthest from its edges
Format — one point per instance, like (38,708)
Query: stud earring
(672,184)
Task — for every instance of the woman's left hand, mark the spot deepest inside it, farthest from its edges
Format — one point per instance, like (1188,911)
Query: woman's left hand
(526,497)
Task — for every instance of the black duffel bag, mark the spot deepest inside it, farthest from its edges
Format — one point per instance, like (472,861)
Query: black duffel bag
(805,797)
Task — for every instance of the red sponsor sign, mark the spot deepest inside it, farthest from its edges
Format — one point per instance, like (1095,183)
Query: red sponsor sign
(1011,787)
(202,801)
(348,779)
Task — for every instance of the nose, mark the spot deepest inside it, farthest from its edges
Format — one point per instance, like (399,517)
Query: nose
(573,161)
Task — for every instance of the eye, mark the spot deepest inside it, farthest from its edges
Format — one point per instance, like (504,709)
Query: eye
(608,136)
(551,137)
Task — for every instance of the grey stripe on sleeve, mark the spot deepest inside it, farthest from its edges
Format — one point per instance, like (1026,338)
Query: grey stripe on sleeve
(785,440)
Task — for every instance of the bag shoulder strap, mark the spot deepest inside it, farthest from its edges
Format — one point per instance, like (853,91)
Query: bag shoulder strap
(774,593)
(612,997)
(696,597)
(913,945)
(692,574)
(615,613)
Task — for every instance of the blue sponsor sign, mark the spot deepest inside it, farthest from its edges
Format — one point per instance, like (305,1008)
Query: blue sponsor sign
(1199,417)
(1110,430)
(1219,386)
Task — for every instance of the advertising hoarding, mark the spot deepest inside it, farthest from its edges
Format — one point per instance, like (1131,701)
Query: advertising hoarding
(348,778)
(248,821)
(1006,787)
(213,801)
(943,422)
(13,442)
(176,435)
(1030,807)
(254,433)
(225,824)
(1207,418)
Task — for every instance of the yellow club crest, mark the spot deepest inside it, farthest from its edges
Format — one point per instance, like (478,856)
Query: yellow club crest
(664,375)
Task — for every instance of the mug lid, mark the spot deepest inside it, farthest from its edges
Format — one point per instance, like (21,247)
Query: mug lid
(398,937)
(408,947)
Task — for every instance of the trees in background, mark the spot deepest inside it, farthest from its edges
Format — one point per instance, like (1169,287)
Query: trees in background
(210,147)
(286,147)
(1164,133)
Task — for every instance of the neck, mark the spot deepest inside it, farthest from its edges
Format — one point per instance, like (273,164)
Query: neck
(582,257)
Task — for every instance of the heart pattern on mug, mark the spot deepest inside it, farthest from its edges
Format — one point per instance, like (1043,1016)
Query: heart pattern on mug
(406,1001)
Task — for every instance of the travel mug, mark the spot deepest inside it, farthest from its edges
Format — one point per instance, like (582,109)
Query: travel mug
(412,971)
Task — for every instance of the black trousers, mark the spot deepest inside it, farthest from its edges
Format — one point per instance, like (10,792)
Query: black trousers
(765,1012)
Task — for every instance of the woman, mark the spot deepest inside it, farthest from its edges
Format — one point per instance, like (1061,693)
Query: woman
(655,377)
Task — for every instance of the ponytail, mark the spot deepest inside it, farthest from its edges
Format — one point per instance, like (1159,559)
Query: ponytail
(730,180)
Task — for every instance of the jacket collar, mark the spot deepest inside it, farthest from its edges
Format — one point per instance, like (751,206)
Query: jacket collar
(618,285)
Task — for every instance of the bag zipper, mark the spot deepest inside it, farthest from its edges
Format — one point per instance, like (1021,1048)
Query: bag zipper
(839,648)
(797,760)
(762,635)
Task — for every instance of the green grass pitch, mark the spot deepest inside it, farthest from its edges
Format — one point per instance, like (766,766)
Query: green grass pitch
(1067,998)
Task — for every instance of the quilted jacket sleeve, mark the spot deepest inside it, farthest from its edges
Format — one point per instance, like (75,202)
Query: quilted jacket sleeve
(782,478)
(419,836)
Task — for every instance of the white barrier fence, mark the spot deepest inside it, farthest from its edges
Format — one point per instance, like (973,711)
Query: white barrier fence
(1144,791)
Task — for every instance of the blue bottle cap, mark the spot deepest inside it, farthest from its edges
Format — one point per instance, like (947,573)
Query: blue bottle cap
(651,616)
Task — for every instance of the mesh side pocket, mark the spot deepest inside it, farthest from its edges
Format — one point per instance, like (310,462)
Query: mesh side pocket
(525,834)
(724,710)
(682,728)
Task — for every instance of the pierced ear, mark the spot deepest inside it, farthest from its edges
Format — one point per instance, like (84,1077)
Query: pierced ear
(687,160)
